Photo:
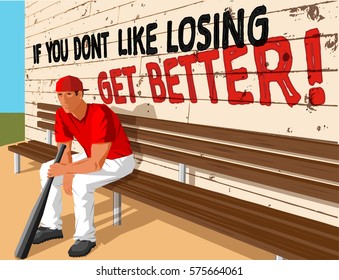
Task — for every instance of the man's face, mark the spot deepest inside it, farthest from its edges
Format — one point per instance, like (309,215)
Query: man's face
(69,100)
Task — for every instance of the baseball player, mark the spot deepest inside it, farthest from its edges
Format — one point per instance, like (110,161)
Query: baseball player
(107,157)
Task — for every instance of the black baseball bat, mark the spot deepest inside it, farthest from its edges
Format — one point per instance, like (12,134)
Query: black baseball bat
(34,219)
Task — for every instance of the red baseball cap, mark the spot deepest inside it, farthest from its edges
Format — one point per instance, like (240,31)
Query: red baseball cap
(69,83)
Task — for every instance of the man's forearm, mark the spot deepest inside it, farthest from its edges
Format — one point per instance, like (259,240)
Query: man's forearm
(87,165)
(66,159)
(84,166)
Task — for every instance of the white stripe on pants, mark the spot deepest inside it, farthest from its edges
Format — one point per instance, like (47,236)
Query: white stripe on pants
(83,188)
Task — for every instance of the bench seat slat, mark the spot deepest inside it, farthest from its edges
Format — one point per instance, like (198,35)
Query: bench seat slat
(38,150)
(47,148)
(214,198)
(255,236)
(236,226)
(224,209)
(35,150)
(29,153)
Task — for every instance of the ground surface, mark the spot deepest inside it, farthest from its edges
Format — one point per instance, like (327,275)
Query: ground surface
(146,233)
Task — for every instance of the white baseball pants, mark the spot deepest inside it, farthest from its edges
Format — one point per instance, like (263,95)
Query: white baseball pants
(83,188)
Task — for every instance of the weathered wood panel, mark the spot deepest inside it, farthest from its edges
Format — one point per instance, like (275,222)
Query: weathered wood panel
(47,21)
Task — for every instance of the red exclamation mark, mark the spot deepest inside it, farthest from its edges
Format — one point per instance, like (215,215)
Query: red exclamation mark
(314,69)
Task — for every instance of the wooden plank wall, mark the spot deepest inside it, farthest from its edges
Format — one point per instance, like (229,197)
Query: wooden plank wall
(48,21)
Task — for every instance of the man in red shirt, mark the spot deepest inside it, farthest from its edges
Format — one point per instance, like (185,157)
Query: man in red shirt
(107,157)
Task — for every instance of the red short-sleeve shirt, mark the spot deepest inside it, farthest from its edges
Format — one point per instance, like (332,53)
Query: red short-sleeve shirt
(99,125)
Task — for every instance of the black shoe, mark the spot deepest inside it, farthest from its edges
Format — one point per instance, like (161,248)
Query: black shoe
(44,234)
(81,248)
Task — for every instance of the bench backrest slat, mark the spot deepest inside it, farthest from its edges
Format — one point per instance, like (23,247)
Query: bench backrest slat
(307,167)
(45,125)
(284,143)
(297,145)
(46,116)
(48,107)
(281,181)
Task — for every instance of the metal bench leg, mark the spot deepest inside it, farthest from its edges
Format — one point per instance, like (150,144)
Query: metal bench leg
(116,209)
(49,137)
(182,173)
(16,163)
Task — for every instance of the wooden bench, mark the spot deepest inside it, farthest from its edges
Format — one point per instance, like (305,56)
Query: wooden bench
(304,167)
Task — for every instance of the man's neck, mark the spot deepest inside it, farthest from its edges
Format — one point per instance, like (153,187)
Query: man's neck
(80,111)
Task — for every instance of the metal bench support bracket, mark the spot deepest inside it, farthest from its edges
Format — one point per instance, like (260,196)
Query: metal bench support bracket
(49,137)
(16,163)
(182,173)
(116,209)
